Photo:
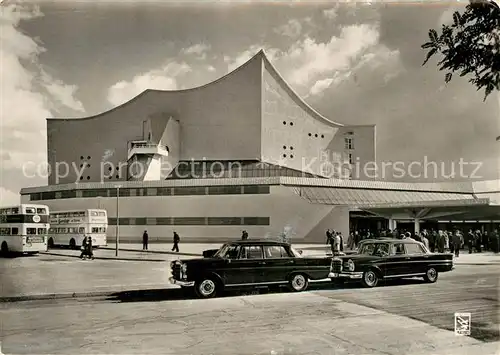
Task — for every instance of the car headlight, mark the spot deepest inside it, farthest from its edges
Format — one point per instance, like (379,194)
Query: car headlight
(184,268)
(350,265)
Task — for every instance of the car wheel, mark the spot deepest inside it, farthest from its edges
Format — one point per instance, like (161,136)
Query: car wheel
(50,243)
(431,275)
(206,288)
(72,243)
(299,282)
(370,278)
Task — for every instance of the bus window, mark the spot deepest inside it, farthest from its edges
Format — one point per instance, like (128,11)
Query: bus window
(15,210)
(30,210)
(95,230)
(15,231)
(4,231)
(102,214)
(41,211)
(71,230)
(102,230)
(51,230)
(42,231)
(31,231)
(81,230)
(93,213)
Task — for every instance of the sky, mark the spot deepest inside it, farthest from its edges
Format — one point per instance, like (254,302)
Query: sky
(355,62)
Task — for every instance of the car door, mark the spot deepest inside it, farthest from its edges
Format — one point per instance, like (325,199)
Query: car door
(418,259)
(397,261)
(247,268)
(278,263)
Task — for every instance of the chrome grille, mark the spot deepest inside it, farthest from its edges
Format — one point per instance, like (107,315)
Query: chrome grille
(336,265)
(176,271)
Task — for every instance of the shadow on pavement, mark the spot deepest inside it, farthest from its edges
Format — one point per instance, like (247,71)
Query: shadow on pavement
(176,294)
(12,255)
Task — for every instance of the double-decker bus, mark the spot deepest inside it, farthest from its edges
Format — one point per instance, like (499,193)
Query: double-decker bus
(68,228)
(23,228)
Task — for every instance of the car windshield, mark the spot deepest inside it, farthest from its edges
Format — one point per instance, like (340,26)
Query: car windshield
(377,249)
(228,251)
(296,253)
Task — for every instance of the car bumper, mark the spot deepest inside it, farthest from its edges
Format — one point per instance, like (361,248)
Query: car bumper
(181,283)
(346,275)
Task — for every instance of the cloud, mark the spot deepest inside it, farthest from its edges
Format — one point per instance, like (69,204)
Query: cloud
(164,78)
(292,28)
(331,13)
(29,96)
(311,66)
(8,197)
(200,50)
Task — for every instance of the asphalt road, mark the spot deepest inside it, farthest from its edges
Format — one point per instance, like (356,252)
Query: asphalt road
(401,318)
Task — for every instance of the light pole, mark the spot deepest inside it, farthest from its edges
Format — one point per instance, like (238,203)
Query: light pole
(117,219)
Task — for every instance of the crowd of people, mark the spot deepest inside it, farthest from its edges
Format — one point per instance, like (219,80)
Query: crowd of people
(436,240)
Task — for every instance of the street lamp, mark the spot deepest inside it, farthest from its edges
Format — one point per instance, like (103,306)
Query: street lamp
(117,219)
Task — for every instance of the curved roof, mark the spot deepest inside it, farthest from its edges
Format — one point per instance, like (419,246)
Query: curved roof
(294,93)
(260,55)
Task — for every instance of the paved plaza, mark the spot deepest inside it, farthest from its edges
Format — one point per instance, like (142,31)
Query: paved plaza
(127,306)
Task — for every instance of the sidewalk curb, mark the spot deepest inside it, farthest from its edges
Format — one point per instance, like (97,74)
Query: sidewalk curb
(105,257)
(70,295)
(153,251)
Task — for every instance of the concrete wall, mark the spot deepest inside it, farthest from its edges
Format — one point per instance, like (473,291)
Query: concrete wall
(292,135)
(363,151)
(219,121)
(285,209)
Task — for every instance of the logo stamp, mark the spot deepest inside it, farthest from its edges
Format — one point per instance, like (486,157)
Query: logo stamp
(36,218)
(462,324)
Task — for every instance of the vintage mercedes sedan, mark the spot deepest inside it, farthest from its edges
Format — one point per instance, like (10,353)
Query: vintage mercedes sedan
(383,259)
(249,264)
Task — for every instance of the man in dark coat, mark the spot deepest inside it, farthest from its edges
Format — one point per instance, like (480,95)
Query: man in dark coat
(244,235)
(90,252)
(145,240)
(84,248)
(456,243)
(177,239)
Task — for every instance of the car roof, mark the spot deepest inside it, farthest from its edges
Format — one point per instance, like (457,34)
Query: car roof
(258,242)
(389,240)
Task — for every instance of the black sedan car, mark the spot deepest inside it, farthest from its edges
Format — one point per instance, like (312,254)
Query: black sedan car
(383,259)
(249,264)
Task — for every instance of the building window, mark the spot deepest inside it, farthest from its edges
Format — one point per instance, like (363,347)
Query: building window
(36,196)
(224,190)
(351,160)
(188,221)
(184,191)
(349,144)
(256,221)
(163,221)
(256,189)
(48,195)
(163,191)
(68,194)
(316,135)
(224,221)
(95,193)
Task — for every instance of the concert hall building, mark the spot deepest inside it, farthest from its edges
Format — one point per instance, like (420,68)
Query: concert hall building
(244,152)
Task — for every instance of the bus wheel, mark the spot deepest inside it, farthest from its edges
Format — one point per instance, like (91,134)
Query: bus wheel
(72,243)
(50,243)
(5,248)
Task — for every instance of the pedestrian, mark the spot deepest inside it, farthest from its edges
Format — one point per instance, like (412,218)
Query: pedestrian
(328,236)
(425,241)
(244,235)
(440,242)
(456,243)
(341,241)
(145,240)
(177,239)
(90,252)
(494,241)
(478,240)
(470,241)
(83,248)
(336,244)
